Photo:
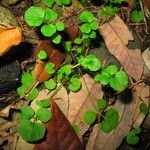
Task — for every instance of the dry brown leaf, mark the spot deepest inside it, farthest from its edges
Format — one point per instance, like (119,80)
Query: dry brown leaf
(9,37)
(54,56)
(129,115)
(116,35)
(84,100)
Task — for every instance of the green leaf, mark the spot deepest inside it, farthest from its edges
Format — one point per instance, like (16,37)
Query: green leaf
(68,46)
(94,25)
(75,84)
(143,108)
(27,112)
(80,50)
(34,16)
(60,26)
(50,15)
(33,94)
(21,90)
(111,69)
(56,39)
(44,103)
(48,30)
(132,138)
(90,62)
(110,121)
(31,131)
(49,68)
(76,128)
(42,54)
(85,28)
(101,103)
(43,114)
(120,81)
(89,117)
(137,130)
(78,41)
(50,84)
(137,16)
(93,35)
(86,16)
(103,78)
(49,3)
(63,2)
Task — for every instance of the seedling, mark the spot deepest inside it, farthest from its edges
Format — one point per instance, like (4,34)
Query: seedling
(143,108)
(50,84)
(75,84)
(42,55)
(49,68)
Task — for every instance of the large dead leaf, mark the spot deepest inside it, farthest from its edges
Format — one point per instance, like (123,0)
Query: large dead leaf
(60,133)
(116,36)
(9,37)
(54,56)
(84,100)
(129,115)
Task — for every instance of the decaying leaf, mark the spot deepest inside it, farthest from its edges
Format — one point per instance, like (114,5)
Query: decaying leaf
(116,36)
(54,56)
(60,133)
(84,100)
(9,37)
(129,115)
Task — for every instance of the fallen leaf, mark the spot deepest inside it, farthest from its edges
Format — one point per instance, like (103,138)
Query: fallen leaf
(60,133)
(9,38)
(54,56)
(84,100)
(129,115)
(116,35)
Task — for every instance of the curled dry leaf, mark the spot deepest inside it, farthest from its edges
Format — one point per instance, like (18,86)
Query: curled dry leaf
(84,100)
(116,35)
(9,38)
(54,56)
(129,115)
(60,134)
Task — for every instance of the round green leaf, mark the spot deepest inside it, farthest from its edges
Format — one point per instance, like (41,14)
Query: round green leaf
(43,114)
(33,94)
(85,28)
(31,131)
(21,90)
(49,3)
(111,69)
(76,128)
(49,68)
(86,17)
(137,130)
(101,103)
(50,15)
(57,39)
(44,103)
(132,139)
(94,25)
(42,54)
(75,84)
(78,41)
(93,35)
(80,50)
(50,84)
(27,79)
(60,26)
(143,108)
(68,46)
(89,117)
(48,30)
(34,16)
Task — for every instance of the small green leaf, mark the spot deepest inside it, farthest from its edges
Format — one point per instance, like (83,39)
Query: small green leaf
(101,103)
(85,28)
(44,103)
(27,79)
(76,128)
(75,84)
(86,17)
(50,15)
(137,16)
(89,117)
(48,30)
(137,130)
(57,39)
(60,26)
(49,3)
(50,84)
(34,16)
(43,114)
(78,41)
(68,46)
(132,138)
(27,130)
(21,90)
(33,94)
(27,111)
(80,50)
(94,25)
(111,69)
(42,54)
(49,68)
(93,35)
(143,108)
